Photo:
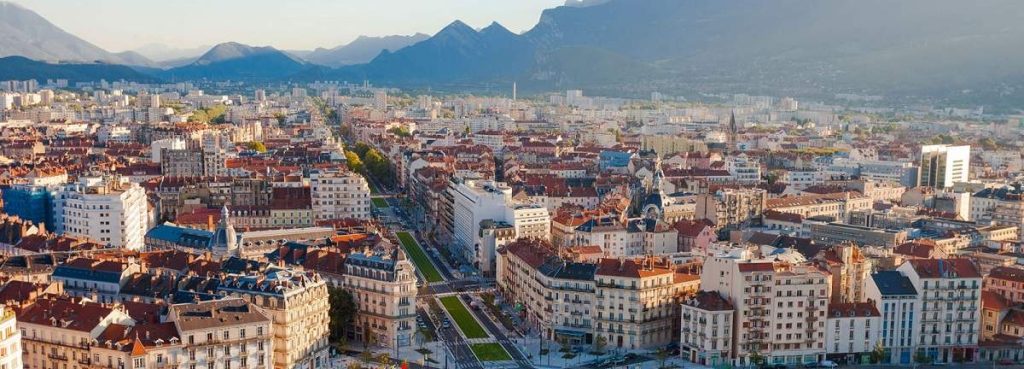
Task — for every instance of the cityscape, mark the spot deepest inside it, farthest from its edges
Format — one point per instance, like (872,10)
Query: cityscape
(636,184)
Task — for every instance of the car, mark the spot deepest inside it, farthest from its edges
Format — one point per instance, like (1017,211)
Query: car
(446,324)
(779,366)
(1005,362)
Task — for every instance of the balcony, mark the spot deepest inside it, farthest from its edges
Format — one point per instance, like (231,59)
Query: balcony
(55,356)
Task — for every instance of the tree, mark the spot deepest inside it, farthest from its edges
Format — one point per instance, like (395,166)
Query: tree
(878,353)
(366,356)
(662,356)
(281,118)
(599,345)
(384,359)
(921,358)
(342,312)
(361,148)
(400,132)
(355,164)
(756,359)
(565,345)
(988,143)
(257,146)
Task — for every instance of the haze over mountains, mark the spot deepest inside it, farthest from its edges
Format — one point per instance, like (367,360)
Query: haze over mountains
(362,50)
(25,33)
(929,48)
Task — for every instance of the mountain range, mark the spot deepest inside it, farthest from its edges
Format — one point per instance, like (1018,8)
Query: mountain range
(235,61)
(923,49)
(362,50)
(25,33)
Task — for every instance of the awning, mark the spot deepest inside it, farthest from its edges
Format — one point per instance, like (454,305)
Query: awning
(563,332)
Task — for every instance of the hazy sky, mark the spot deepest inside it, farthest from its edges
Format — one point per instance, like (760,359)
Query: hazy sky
(118,25)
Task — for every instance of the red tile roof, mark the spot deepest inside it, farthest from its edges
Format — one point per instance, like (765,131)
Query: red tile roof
(1007,273)
(79,315)
(633,268)
(757,267)
(945,268)
(993,301)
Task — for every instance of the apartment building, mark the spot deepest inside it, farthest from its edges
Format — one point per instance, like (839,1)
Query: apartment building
(852,331)
(706,329)
(110,210)
(636,302)
(850,270)
(139,346)
(558,295)
(339,194)
(896,298)
(1008,282)
(297,304)
(474,202)
(98,280)
(57,333)
(632,238)
(949,305)
(10,340)
(1001,205)
(224,334)
(732,208)
(384,287)
(780,307)
(835,206)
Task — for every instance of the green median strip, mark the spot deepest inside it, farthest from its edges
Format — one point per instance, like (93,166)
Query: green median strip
(379,202)
(463,318)
(419,257)
(490,352)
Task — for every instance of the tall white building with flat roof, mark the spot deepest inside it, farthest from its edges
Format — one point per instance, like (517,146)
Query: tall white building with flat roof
(476,201)
(943,165)
(108,210)
(339,194)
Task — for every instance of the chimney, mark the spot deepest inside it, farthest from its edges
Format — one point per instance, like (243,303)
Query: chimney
(209,222)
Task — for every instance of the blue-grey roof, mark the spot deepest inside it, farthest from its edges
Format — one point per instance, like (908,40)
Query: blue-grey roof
(556,268)
(893,283)
(70,272)
(614,158)
(188,237)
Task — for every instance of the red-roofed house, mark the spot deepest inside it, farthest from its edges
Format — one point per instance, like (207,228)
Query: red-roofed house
(1008,282)
(695,236)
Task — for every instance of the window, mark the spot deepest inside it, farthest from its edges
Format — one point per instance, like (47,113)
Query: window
(140,362)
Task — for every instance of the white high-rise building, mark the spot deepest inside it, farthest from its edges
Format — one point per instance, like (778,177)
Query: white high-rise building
(109,210)
(158,146)
(339,194)
(476,201)
(944,165)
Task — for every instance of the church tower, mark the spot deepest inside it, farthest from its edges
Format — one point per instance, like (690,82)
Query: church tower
(731,133)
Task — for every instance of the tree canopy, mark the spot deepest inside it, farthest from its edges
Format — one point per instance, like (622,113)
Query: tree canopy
(342,312)
(257,146)
(213,114)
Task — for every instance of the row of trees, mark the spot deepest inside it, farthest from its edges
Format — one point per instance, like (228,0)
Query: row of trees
(371,162)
